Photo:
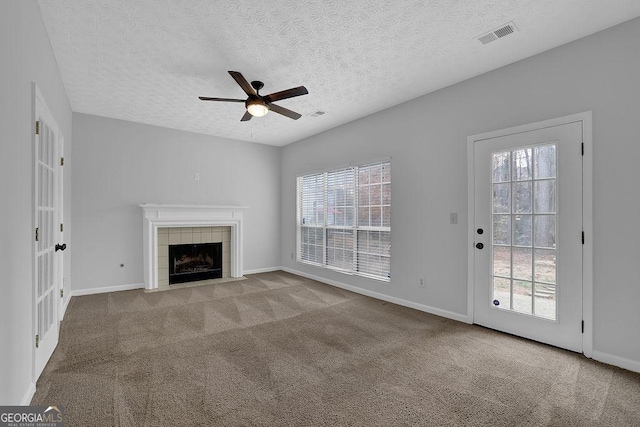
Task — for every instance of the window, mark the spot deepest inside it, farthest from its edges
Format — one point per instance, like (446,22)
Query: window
(344,220)
(312,211)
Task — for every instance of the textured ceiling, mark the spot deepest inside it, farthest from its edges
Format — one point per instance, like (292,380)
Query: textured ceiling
(148,61)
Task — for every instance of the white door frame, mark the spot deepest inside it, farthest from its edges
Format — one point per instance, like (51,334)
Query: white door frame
(587,213)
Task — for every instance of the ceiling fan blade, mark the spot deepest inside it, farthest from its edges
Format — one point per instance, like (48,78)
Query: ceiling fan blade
(289,93)
(244,84)
(206,98)
(284,111)
(247,116)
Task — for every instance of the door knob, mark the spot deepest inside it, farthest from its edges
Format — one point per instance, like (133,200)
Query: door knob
(479,245)
(61,247)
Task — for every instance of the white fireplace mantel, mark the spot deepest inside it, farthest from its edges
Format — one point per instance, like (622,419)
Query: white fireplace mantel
(165,215)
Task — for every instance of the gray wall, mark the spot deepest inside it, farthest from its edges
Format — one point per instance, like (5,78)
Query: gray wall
(26,57)
(427,140)
(120,164)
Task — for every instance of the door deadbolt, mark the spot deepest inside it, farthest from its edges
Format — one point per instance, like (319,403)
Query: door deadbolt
(480,231)
(479,245)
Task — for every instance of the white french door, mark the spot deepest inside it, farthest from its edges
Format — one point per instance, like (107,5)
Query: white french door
(47,203)
(527,251)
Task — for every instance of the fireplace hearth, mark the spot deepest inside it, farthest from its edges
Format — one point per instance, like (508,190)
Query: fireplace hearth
(195,261)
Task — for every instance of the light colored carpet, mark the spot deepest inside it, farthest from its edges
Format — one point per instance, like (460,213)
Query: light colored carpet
(278,349)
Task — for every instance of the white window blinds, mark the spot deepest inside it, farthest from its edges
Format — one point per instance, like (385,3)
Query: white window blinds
(344,219)
(340,198)
(311,218)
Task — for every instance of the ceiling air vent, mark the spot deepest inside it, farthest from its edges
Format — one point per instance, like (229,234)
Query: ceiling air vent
(317,113)
(498,33)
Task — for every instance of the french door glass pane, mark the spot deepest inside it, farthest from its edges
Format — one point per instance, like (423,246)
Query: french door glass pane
(502,293)
(502,198)
(545,226)
(545,264)
(524,230)
(502,261)
(522,164)
(545,303)
(501,169)
(45,197)
(502,229)
(522,296)
(545,191)
(522,263)
(522,197)
(545,161)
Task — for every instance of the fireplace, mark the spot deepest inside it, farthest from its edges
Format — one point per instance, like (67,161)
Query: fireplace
(162,216)
(195,261)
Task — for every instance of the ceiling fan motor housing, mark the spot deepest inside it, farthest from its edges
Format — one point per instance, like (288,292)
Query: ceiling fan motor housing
(256,106)
(257,85)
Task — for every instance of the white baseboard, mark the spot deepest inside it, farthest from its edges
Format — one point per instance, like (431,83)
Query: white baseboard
(26,399)
(262,270)
(65,305)
(631,365)
(92,291)
(427,309)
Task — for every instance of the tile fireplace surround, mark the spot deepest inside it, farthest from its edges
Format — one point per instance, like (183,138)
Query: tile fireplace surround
(168,236)
(168,216)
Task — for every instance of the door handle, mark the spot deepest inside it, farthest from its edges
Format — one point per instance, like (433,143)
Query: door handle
(479,245)
(61,247)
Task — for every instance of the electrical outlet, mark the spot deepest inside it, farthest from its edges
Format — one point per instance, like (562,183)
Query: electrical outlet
(291,255)
(453,217)
(421,283)
(196,176)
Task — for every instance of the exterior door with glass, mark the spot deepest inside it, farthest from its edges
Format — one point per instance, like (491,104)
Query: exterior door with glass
(528,234)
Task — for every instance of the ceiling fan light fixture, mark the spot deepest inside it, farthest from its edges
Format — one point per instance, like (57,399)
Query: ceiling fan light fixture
(257,107)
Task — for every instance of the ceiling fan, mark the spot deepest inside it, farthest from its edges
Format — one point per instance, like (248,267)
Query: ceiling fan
(258,105)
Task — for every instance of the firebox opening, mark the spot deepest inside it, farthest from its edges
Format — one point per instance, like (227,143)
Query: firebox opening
(192,262)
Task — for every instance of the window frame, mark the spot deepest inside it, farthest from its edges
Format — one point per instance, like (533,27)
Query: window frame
(354,228)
